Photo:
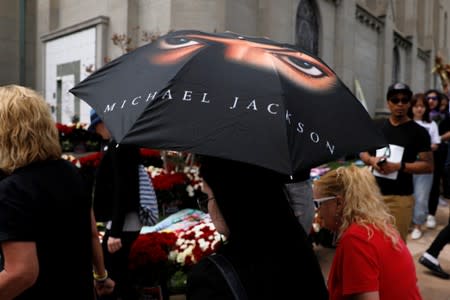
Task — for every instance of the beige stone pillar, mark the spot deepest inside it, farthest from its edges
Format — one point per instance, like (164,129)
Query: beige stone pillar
(345,41)
(384,70)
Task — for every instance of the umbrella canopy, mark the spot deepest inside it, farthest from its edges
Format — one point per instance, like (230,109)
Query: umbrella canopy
(227,95)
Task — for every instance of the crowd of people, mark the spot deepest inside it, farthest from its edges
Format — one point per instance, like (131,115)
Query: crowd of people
(265,217)
(414,175)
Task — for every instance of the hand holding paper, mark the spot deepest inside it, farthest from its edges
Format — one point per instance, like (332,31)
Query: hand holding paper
(395,156)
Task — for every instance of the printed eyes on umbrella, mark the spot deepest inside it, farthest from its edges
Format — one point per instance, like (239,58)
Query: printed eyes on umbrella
(177,42)
(303,66)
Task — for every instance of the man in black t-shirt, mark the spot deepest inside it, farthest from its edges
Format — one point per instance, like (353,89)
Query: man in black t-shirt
(411,142)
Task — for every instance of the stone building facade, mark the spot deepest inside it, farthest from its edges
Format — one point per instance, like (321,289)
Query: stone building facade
(18,42)
(368,43)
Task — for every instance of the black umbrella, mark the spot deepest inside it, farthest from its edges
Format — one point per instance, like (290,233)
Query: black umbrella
(236,97)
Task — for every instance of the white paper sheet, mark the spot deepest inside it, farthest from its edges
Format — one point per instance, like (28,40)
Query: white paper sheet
(395,157)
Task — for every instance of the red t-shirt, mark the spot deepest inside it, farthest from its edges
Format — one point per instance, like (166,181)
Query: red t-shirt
(366,265)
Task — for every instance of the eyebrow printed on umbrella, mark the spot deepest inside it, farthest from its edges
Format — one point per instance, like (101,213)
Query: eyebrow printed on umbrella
(178,48)
(295,66)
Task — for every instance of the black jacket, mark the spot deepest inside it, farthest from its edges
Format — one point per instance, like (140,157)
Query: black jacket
(116,190)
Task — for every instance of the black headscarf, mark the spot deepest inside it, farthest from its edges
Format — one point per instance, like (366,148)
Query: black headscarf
(267,244)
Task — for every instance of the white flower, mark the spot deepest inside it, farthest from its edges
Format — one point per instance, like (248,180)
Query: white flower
(173,255)
(204,245)
(190,190)
(153,171)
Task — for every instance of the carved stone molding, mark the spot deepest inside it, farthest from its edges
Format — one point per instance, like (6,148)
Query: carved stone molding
(401,41)
(423,54)
(368,19)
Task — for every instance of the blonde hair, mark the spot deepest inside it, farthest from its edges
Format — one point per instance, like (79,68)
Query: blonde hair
(363,202)
(27,130)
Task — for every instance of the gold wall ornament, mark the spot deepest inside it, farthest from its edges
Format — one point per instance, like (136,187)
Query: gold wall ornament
(443,70)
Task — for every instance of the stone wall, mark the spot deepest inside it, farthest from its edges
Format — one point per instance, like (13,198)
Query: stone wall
(356,38)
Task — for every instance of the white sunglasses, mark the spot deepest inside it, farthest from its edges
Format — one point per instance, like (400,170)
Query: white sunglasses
(318,202)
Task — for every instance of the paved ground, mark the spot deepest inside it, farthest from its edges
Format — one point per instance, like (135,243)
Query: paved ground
(431,287)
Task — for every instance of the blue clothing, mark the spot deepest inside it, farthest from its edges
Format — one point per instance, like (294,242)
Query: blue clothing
(422,188)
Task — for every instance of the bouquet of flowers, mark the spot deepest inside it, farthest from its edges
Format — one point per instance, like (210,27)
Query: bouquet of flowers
(163,255)
(175,190)
(149,257)
(195,242)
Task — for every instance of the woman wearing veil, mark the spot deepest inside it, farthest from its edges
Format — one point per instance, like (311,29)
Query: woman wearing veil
(265,243)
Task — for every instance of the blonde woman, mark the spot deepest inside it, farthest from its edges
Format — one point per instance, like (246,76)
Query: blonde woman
(371,262)
(45,220)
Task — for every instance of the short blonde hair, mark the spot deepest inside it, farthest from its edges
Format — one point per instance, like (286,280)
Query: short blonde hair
(363,202)
(27,130)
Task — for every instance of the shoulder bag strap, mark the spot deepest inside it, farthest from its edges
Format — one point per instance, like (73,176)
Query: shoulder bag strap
(230,275)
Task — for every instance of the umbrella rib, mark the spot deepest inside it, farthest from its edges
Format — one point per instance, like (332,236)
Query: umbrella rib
(275,70)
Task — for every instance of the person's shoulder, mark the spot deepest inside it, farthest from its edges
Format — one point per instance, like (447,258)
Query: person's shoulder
(56,166)
(64,163)
(355,229)
(445,123)
(356,232)
(412,125)
(415,124)
(381,121)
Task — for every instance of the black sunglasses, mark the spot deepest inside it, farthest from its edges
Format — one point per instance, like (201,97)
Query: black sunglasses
(202,202)
(432,98)
(395,100)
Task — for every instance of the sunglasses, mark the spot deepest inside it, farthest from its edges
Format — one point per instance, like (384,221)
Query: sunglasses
(202,202)
(434,98)
(318,202)
(396,100)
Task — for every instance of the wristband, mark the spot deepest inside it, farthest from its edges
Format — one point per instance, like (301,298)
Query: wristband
(100,278)
(402,166)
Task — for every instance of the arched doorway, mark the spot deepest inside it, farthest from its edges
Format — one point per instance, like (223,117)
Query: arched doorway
(307,26)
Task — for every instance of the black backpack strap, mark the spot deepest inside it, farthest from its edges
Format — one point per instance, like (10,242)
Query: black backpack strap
(230,275)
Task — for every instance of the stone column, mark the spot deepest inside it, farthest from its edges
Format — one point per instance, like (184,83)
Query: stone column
(44,22)
(384,71)
(412,64)
(345,41)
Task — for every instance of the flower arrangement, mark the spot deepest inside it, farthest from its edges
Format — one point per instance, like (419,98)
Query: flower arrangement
(92,161)
(163,257)
(176,190)
(149,256)
(197,241)
(75,138)
(151,248)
